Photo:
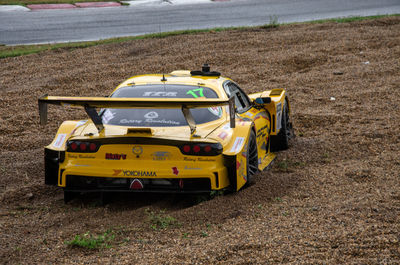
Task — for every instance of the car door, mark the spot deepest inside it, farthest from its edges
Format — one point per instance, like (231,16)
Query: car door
(247,110)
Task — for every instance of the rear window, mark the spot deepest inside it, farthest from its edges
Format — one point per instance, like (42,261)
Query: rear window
(160,117)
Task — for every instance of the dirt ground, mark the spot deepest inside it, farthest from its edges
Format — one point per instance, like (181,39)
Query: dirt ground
(332,198)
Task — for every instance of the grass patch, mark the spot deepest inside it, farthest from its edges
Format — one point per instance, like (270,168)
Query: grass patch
(13,51)
(160,220)
(349,19)
(90,241)
(19,50)
(273,22)
(287,165)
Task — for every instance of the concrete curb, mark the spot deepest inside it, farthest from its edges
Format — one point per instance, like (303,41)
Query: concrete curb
(102,4)
(97,4)
(7,8)
(50,6)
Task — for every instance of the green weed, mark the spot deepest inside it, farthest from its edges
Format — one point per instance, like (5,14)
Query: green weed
(160,220)
(90,241)
(273,22)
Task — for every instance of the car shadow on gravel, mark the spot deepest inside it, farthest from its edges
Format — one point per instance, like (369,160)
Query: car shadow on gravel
(131,200)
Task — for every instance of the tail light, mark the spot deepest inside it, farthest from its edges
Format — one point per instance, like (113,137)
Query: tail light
(201,149)
(82,147)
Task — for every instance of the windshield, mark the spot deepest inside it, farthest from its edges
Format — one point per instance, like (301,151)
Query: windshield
(141,117)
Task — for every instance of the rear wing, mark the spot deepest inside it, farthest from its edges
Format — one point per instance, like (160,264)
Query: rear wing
(90,103)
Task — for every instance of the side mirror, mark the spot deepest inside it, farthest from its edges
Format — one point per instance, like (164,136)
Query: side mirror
(263,100)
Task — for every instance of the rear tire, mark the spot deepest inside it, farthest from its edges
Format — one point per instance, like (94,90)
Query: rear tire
(252,158)
(281,141)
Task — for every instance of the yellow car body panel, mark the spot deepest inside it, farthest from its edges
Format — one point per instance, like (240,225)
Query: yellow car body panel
(163,155)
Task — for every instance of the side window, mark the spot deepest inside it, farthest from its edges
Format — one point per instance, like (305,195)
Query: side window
(242,102)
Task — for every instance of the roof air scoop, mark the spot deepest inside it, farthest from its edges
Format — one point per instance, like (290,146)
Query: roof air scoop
(205,71)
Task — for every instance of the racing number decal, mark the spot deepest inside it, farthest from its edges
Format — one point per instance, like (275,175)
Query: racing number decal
(192,92)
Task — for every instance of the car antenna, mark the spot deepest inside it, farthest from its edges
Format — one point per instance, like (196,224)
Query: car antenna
(163,78)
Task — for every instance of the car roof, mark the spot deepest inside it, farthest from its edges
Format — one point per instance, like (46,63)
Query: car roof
(180,77)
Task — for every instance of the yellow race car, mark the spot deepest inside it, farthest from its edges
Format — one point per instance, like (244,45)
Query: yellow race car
(187,131)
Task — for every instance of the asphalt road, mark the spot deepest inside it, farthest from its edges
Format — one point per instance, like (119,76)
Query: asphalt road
(48,26)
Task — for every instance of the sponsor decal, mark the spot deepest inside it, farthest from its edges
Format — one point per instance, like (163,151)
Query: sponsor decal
(259,161)
(223,135)
(199,159)
(161,155)
(237,145)
(205,159)
(80,165)
(192,168)
(107,116)
(60,140)
(160,94)
(151,115)
(137,150)
(175,171)
(237,164)
(110,156)
(134,173)
(217,111)
(278,116)
(87,156)
(81,156)
(117,172)
(126,121)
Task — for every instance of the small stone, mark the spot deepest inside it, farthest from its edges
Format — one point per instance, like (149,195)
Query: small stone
(332,99)
(337,72)
(29,196)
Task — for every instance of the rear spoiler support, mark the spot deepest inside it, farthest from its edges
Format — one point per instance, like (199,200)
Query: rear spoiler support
(95,118)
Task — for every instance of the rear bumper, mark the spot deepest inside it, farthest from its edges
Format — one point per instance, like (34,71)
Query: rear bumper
(100,184)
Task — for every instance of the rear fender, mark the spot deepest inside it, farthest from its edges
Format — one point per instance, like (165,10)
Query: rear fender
(65,131)
(236,154)
(54,153)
